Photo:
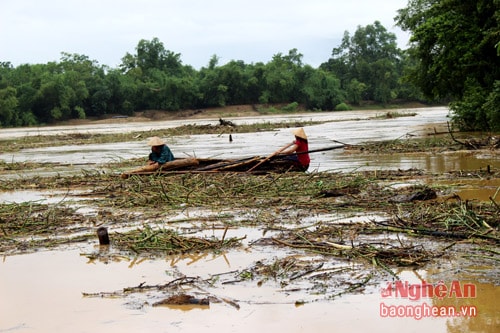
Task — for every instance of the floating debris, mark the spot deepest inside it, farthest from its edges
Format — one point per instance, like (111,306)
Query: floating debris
(166,241)
(182,299)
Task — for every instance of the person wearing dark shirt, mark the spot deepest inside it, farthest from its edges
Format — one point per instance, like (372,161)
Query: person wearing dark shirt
(160,153)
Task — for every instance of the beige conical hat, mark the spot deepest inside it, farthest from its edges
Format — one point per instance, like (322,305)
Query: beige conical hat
(155,141)
(300,133)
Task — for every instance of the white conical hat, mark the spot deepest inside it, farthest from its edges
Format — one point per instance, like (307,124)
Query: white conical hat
(300,133)
(155,141)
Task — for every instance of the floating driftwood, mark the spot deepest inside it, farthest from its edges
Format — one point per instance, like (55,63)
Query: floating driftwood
(183,299)
(171,288)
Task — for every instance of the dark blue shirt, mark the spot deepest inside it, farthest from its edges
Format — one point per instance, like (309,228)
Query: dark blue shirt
(164,156)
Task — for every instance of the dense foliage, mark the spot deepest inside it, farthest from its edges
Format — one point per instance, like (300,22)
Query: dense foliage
(156,78)
(457,44)
(370,66)
(454,57)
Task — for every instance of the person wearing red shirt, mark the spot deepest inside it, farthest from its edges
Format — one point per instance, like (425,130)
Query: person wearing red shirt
(298,151)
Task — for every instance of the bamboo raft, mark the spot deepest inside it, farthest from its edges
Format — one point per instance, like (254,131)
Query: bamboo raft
(208,165)
(274,163)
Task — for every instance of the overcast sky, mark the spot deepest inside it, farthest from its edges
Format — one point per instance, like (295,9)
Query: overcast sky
(37,31)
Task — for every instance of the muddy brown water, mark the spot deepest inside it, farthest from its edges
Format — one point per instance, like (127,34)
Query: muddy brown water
(347,127)
(43,291)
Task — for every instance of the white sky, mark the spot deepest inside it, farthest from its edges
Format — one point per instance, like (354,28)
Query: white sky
(37,31)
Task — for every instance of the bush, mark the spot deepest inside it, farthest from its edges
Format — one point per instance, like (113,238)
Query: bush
(468,112)
(80,112)
(342,107)
(491,107)
(291,107)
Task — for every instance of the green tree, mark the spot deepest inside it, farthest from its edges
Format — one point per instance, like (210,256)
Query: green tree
(407,90)
(456,42)
(159,79)
(8,104)
(281,74)
(152,55)
(355,91)
(320,89)
(231,84)
(213,92)
(87,79)
(371,57)
(25,80)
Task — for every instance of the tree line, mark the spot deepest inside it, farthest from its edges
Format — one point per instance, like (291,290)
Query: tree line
(461,67)
(156,78)
(456,48)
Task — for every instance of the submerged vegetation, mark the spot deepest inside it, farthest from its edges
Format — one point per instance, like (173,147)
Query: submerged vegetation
(342,232)
(241,200)
(165,242)
(315,215)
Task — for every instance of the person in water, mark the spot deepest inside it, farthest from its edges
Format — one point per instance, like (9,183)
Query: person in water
(159,157)
(297,151)
(160,154)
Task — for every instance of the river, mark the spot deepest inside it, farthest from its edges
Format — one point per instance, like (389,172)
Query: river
(42,291)
(351,127)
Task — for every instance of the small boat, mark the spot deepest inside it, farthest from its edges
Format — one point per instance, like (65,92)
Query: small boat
(252,165)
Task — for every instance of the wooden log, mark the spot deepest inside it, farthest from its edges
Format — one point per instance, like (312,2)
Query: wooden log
(214,166)
(172,165)
(179,163)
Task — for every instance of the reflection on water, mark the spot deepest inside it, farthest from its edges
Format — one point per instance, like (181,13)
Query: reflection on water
(475,314)
(475,189)
(435,163)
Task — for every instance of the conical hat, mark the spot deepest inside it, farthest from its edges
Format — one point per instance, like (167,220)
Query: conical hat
(155,141)
(300,133)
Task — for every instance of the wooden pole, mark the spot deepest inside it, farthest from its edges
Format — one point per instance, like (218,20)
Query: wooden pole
(102,234)
(270,156)
(318,150)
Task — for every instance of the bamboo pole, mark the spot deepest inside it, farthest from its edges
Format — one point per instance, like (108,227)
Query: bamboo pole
(236,165)
(270,156)
(225,163)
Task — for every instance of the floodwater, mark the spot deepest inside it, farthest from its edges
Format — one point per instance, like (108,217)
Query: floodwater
(43,291)
(351,127)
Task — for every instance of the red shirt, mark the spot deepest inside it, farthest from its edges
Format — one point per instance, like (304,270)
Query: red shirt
(302,146)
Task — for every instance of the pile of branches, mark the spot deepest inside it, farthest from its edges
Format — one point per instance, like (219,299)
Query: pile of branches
(165,241)
(340,240)
(489,142)
(31,218)
(454,219)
